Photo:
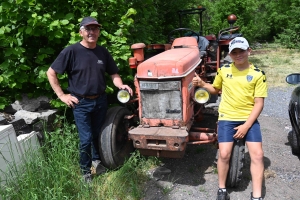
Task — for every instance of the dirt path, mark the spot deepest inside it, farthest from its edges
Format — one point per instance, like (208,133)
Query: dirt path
(195,177)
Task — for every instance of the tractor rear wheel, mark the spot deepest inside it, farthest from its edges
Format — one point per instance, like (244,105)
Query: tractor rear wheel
(114,145)
(236,164)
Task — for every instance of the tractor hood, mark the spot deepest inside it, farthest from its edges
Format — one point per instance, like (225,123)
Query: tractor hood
(176,62)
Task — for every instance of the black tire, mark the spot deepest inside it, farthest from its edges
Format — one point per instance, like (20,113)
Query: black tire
(236,164)
(114,145)
(295,143)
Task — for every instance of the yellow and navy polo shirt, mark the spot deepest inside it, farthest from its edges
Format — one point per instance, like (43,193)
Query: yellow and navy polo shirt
(239,88)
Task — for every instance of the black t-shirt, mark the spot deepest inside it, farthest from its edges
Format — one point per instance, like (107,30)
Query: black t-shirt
(86,68)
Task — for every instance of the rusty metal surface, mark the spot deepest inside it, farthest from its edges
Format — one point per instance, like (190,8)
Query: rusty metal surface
(201,136)
(159,138)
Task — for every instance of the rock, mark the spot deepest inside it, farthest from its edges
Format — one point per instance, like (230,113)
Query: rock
(32,105)
(160,172)
(20,126)
(29,117)
(29,114)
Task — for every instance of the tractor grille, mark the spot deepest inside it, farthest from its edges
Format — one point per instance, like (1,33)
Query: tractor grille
(161,100)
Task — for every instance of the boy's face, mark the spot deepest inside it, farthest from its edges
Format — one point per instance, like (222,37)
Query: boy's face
(240,56)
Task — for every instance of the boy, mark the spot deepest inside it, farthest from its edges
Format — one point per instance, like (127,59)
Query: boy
(243,91)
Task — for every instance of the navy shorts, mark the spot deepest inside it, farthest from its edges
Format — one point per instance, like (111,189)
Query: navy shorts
(226,131)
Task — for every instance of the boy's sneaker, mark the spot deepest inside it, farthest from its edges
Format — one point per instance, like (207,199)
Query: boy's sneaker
(87,178)
(100,169)
(223,195)
(252,198)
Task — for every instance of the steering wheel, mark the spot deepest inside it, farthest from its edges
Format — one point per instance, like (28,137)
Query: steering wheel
(183,29)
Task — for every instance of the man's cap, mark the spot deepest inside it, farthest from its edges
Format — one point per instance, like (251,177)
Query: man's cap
(89,21)
(238,42)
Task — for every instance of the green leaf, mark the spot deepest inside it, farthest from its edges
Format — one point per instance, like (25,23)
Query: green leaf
(64,22)
(28,30)
(59,34)
(54,23)
(69,16)
(19,41)
(41,57)
(94,14)
(130,11)
(1,79)
(2,29)
(9,52)
(7,29)
(6,5)
(4,65)
(24,67)
(47,50)
(47,15)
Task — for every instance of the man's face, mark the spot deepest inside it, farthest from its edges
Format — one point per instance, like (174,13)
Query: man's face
(90,33)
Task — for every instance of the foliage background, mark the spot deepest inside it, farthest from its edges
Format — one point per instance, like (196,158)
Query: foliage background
(33,32)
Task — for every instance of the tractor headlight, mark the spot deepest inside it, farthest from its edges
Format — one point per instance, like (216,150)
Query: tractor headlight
(123,96)
(201,96)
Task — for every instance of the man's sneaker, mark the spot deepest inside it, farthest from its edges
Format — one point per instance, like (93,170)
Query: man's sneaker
(87,178)
(223,195)
(252,198)
(100,169)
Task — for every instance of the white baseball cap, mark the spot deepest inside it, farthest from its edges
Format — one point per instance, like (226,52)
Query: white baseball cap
(238,42)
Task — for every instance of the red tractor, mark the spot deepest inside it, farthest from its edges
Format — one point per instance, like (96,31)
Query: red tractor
(161,119)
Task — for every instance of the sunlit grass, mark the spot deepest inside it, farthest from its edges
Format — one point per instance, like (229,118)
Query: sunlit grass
(276,62)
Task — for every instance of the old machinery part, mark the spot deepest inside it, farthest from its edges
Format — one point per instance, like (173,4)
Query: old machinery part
(201,96)
(123,96)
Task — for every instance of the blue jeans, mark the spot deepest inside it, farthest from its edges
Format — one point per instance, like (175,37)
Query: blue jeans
(89,115)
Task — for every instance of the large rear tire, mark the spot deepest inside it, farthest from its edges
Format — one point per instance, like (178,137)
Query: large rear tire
(114,145)
(236,164)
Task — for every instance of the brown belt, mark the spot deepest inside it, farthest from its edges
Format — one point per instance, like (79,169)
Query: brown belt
(88,97)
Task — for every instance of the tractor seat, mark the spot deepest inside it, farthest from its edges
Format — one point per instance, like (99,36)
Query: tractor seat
(202,45)
(203,54)
(230,36)
(188,42)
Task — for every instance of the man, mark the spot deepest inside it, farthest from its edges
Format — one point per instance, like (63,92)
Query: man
(86,64)
(244,89)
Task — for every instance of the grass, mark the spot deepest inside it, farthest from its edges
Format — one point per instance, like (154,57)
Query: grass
(276,62)
(55,173)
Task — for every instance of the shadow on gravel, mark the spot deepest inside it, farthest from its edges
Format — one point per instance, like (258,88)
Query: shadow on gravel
(200,160)
(197,161)
(246,177)
(190,169)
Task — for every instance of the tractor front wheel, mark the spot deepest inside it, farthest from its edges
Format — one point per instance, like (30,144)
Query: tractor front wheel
(114,145)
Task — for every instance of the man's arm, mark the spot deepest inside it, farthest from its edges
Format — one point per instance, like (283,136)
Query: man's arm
(119,83)
(53,80)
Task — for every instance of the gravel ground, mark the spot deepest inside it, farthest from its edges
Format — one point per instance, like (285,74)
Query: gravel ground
(194,176)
